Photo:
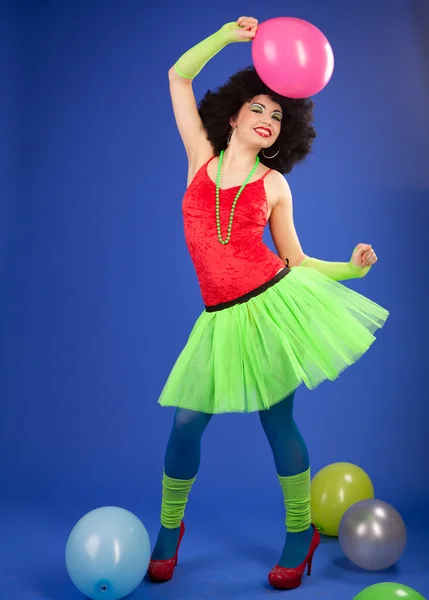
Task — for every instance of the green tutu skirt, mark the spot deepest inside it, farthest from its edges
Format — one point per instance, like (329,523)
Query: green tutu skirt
(306,328)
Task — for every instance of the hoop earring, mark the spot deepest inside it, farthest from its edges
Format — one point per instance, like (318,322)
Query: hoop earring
(273,156)
(230,136)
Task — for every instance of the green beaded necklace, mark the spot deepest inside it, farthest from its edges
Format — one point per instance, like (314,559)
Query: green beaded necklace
(231,216)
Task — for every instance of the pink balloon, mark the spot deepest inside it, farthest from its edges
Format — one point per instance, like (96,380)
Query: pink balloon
(292,57)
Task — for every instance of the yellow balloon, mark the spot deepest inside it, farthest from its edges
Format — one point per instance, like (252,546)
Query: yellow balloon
(333,490)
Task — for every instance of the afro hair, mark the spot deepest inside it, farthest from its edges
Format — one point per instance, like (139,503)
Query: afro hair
(296,134)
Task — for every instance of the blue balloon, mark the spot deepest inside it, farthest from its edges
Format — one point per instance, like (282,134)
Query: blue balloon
(107,553)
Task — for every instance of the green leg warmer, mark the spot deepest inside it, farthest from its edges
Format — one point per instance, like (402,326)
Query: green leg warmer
(175,494)
(296,492)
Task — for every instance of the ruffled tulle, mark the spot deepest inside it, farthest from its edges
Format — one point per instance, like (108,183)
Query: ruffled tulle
(307,328)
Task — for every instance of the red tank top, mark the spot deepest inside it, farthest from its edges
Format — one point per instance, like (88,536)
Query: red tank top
(226,272)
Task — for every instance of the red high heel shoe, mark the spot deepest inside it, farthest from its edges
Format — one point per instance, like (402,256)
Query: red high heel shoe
(162,570)
(285,578)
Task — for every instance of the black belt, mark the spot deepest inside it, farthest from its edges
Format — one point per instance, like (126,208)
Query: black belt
(246,297)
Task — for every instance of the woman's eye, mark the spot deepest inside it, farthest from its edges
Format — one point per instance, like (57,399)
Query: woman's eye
(259,109)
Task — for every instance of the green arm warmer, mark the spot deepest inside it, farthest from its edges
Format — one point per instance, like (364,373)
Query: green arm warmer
(191,63)
(339,271)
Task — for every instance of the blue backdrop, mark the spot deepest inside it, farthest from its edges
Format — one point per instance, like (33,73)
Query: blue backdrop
(98,291)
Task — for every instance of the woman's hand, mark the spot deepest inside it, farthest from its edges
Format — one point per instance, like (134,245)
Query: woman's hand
(247,28)
(242,30)
(364,256)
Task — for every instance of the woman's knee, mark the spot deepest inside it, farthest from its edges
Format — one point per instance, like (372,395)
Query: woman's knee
(282,412)
(190,422)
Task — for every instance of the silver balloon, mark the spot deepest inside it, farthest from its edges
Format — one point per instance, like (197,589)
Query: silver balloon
(372,534)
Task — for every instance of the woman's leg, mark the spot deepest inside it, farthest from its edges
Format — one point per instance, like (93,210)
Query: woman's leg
(293,470)
(182,460)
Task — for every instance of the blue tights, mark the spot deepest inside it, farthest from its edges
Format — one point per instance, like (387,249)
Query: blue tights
(182,461)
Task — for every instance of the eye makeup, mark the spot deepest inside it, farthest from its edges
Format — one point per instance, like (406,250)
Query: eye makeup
(257,107)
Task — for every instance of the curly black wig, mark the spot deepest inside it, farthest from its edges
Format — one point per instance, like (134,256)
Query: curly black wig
(296,133)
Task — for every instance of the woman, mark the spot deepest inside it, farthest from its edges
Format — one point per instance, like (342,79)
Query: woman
(270,322)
